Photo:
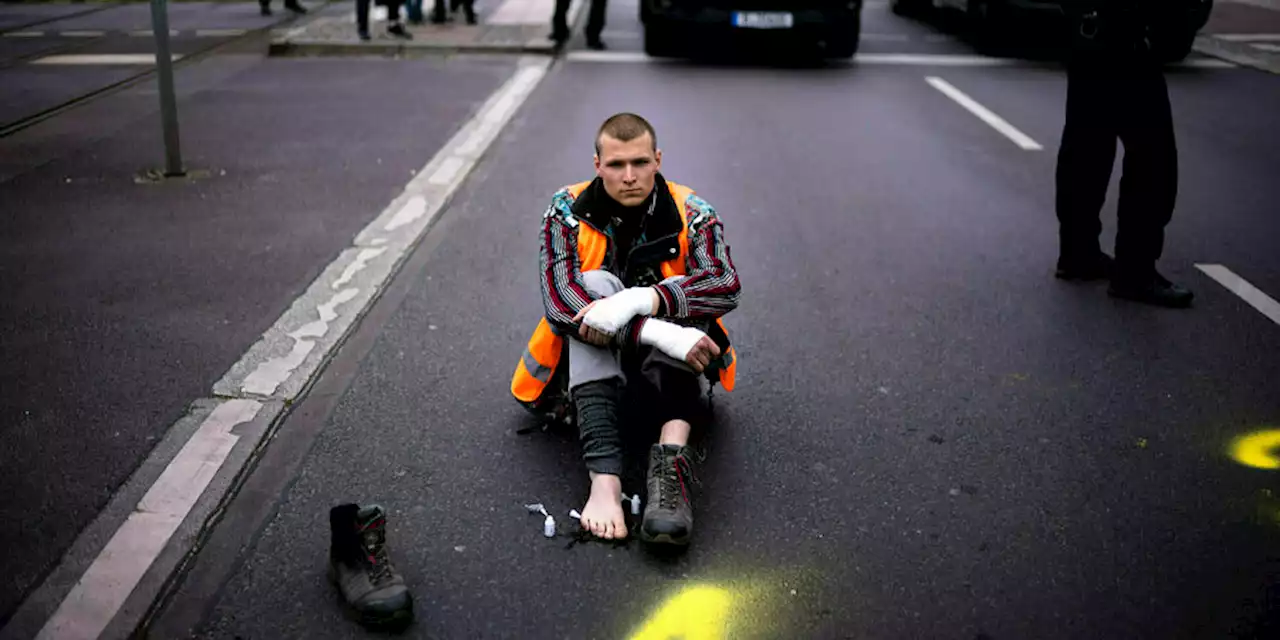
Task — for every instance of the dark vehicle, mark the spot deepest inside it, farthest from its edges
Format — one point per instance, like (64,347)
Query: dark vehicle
(991,21)
(676,27)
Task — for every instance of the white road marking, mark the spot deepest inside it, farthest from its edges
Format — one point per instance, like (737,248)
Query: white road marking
(101,58)
(922,59)
(146,33)
(1266,46)
(219,33)
(305,341)
(82,34)
(1241,287)
(103,588)
(996,122)
(1248,37)
(885,37)
(448,170)
(24,34)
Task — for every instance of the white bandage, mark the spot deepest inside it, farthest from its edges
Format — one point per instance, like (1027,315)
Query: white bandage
(608,315)
(671,339)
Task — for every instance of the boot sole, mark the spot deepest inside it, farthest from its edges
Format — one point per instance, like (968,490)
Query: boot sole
(395,620)
(666,539)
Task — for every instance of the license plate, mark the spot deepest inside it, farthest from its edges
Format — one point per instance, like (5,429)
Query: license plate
(762,19)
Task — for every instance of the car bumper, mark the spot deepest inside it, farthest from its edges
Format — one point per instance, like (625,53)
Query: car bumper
(836,18)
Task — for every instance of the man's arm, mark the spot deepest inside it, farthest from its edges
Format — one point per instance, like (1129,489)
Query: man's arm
(563,292)
(710,288)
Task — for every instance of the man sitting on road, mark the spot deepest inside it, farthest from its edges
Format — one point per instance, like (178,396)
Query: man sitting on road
(635,276)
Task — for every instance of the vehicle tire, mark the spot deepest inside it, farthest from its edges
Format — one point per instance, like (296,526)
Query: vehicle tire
(986,21)
(659,40)
(845,45)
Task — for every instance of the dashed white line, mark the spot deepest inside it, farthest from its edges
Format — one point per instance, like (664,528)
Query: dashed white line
(82,34)
(1266,46)
(1241,287)
(996,122)
(24,34)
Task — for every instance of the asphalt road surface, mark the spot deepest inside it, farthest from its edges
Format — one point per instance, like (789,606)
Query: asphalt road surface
(931,437)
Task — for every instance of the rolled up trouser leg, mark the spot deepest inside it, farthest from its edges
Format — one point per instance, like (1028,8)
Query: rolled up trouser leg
(596,382)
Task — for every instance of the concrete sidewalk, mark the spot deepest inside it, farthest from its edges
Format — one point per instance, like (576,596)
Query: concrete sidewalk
(504,26)
(1245,32)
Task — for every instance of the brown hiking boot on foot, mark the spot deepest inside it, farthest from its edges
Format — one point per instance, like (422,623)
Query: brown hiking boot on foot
(668,517)
(361,568)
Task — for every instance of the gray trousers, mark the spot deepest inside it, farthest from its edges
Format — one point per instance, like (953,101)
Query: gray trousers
(670,388)
(588,363)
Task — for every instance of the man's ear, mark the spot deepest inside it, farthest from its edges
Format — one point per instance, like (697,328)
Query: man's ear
(596,159)
(657,156)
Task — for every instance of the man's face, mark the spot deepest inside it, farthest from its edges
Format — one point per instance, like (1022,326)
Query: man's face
(628,168)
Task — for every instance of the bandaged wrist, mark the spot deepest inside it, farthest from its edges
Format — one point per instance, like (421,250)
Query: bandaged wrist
(608,315)
(672,339)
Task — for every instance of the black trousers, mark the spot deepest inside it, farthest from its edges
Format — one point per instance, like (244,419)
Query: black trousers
(362,12)
(595,19)
(1109,98)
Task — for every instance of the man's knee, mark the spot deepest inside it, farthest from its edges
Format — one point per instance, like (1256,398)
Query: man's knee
(601,282)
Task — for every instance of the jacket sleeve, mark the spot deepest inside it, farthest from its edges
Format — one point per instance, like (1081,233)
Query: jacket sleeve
(710,288)
(563,291)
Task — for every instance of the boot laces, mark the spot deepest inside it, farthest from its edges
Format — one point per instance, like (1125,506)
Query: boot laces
(374,540)
(673,482)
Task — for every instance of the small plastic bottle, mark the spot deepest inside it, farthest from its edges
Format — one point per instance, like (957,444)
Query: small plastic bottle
(549,527)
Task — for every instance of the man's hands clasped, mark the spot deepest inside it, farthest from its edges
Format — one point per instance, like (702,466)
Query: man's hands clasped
(602,319)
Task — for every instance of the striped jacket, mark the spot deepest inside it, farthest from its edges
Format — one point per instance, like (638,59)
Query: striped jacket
(709,289)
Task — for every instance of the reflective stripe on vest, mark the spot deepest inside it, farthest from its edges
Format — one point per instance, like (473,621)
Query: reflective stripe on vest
(538,362)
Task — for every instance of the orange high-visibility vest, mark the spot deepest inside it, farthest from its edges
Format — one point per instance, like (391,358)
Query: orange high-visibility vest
(545,350)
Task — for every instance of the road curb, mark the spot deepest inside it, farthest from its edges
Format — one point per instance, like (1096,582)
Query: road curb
(1237,53)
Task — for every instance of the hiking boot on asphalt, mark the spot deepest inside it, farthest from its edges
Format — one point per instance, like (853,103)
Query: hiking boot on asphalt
(668,516)
(360,567)
(1151,288)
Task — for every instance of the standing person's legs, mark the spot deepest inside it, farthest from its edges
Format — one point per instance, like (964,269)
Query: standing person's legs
(1148,190)
(560,21)
(595,24)
(1086,156)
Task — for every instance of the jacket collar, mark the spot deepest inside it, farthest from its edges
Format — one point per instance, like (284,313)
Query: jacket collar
(662,219)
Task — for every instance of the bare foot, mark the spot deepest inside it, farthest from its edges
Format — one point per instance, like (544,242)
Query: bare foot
(603,514)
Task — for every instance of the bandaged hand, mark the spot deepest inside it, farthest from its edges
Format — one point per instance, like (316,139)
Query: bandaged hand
(685,344)
(609,314)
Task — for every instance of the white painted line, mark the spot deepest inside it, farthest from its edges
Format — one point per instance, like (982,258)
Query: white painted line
(1248,37)
(885,37)
(933,59)
(24,34)
(996,122)
(82,34)
(1266,46)
(1241,287)
(279,365)
(447,171)
(146,33)
(1205,63)
(105,585)
(916,59)
(219,33)
(100,59)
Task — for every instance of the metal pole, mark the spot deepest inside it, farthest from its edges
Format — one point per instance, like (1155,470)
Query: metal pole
(168,105)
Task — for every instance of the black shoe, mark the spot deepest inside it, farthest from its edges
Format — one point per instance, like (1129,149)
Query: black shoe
(265,10)
(596,44)
(1087,267)
(668,517)
(363,34)
(295,7)
(558,37)
(360,567)
(397,30)
(1150,288)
